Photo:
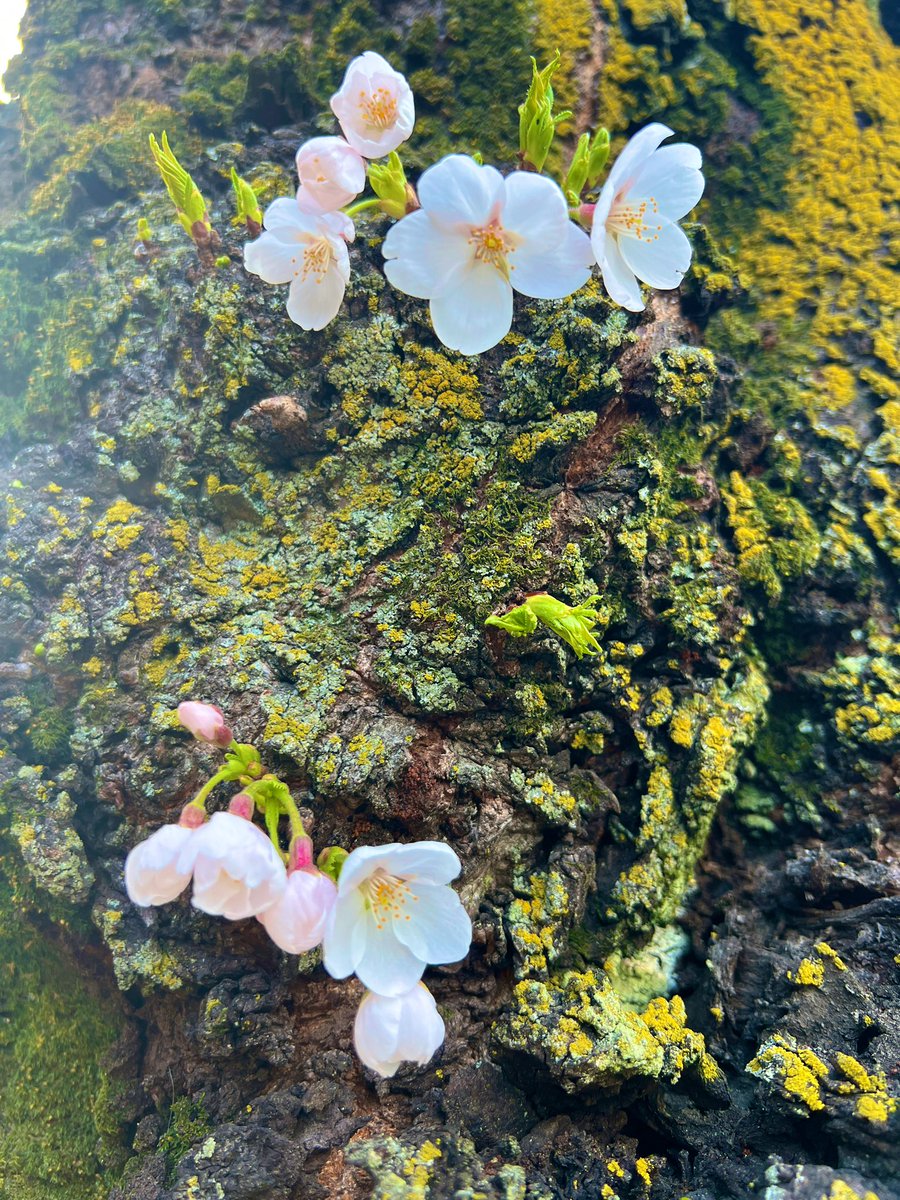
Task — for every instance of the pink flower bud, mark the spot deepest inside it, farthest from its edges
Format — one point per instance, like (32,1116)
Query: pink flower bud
(331,174)
(205,722)
(296,921)
(301,853)
(192,817)
(242,805)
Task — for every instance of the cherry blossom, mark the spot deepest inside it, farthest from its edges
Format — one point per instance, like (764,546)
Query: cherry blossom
(331,174)
(205,722)
(635,232)
(478,236)
(296,921)
(374,106)
(390,1030)
(395,913)
(160,868)
(237,871)
(308,251)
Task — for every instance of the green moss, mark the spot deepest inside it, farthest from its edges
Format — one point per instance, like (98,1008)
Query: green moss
(188,1123)
(775,536)
(54,1033)
(214,92)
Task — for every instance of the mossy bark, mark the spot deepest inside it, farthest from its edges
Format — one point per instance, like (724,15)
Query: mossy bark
(678,853)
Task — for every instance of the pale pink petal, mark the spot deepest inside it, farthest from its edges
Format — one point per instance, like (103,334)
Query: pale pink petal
(666,180)
(433,862)
(661,262)
(423,259)
(361,863)
(534,208)
(438,929)
(459,194)
(618,278)
(635,153)
(159,868)
(391,1030)
(296,922)
(272,260)
(346,930)
(550,273)
(387,966)
(314,301)
(476,313)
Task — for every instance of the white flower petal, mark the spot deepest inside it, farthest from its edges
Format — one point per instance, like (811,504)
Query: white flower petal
(159,868)
(618,278)
(314,301)
(272,260)
(387,966)
(457,192)
(363,862)
(533,207)
(283,216)
(439,929)
(392,1030)
(476,313)
(674,187)
(432,862)
(345,935)
(555,271)
(422,259)
(296,922)
(635,153)
(238,873)
(661,262)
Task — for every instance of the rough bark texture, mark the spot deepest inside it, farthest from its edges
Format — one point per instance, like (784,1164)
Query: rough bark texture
(680,855)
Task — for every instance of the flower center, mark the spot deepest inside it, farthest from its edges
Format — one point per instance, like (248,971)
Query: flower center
(492,246)
(387,897)
(635,220)
(317,258)
(379,108)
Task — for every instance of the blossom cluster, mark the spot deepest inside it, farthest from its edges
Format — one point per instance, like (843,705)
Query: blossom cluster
(467,237)
(383,913)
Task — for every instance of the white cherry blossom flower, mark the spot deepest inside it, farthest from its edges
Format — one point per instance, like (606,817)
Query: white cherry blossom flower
(635,231)
(395,913)
(308,251)
(296,921)
(374,106)
(477,237)
(160,868)
(331,174)
(390,1030)
(237,871)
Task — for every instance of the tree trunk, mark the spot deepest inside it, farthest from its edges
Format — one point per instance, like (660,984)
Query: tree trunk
(680,853)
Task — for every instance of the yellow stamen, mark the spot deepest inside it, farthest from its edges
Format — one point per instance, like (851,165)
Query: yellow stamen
(378,108)
(492,246)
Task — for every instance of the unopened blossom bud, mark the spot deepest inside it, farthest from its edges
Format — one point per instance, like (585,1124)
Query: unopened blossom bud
(205,722)
(192,816)
(390,1030)
(300,854)
(331,174)
(242,805)
(296,921)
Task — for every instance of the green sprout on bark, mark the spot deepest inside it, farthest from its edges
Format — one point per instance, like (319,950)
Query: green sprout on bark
(572,624)
(537,121)
(247,210)
(185,195)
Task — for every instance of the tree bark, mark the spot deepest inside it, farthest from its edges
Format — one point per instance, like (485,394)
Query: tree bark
(680,853)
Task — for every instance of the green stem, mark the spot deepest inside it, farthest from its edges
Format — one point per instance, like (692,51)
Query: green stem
(362,206)
(199,801)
